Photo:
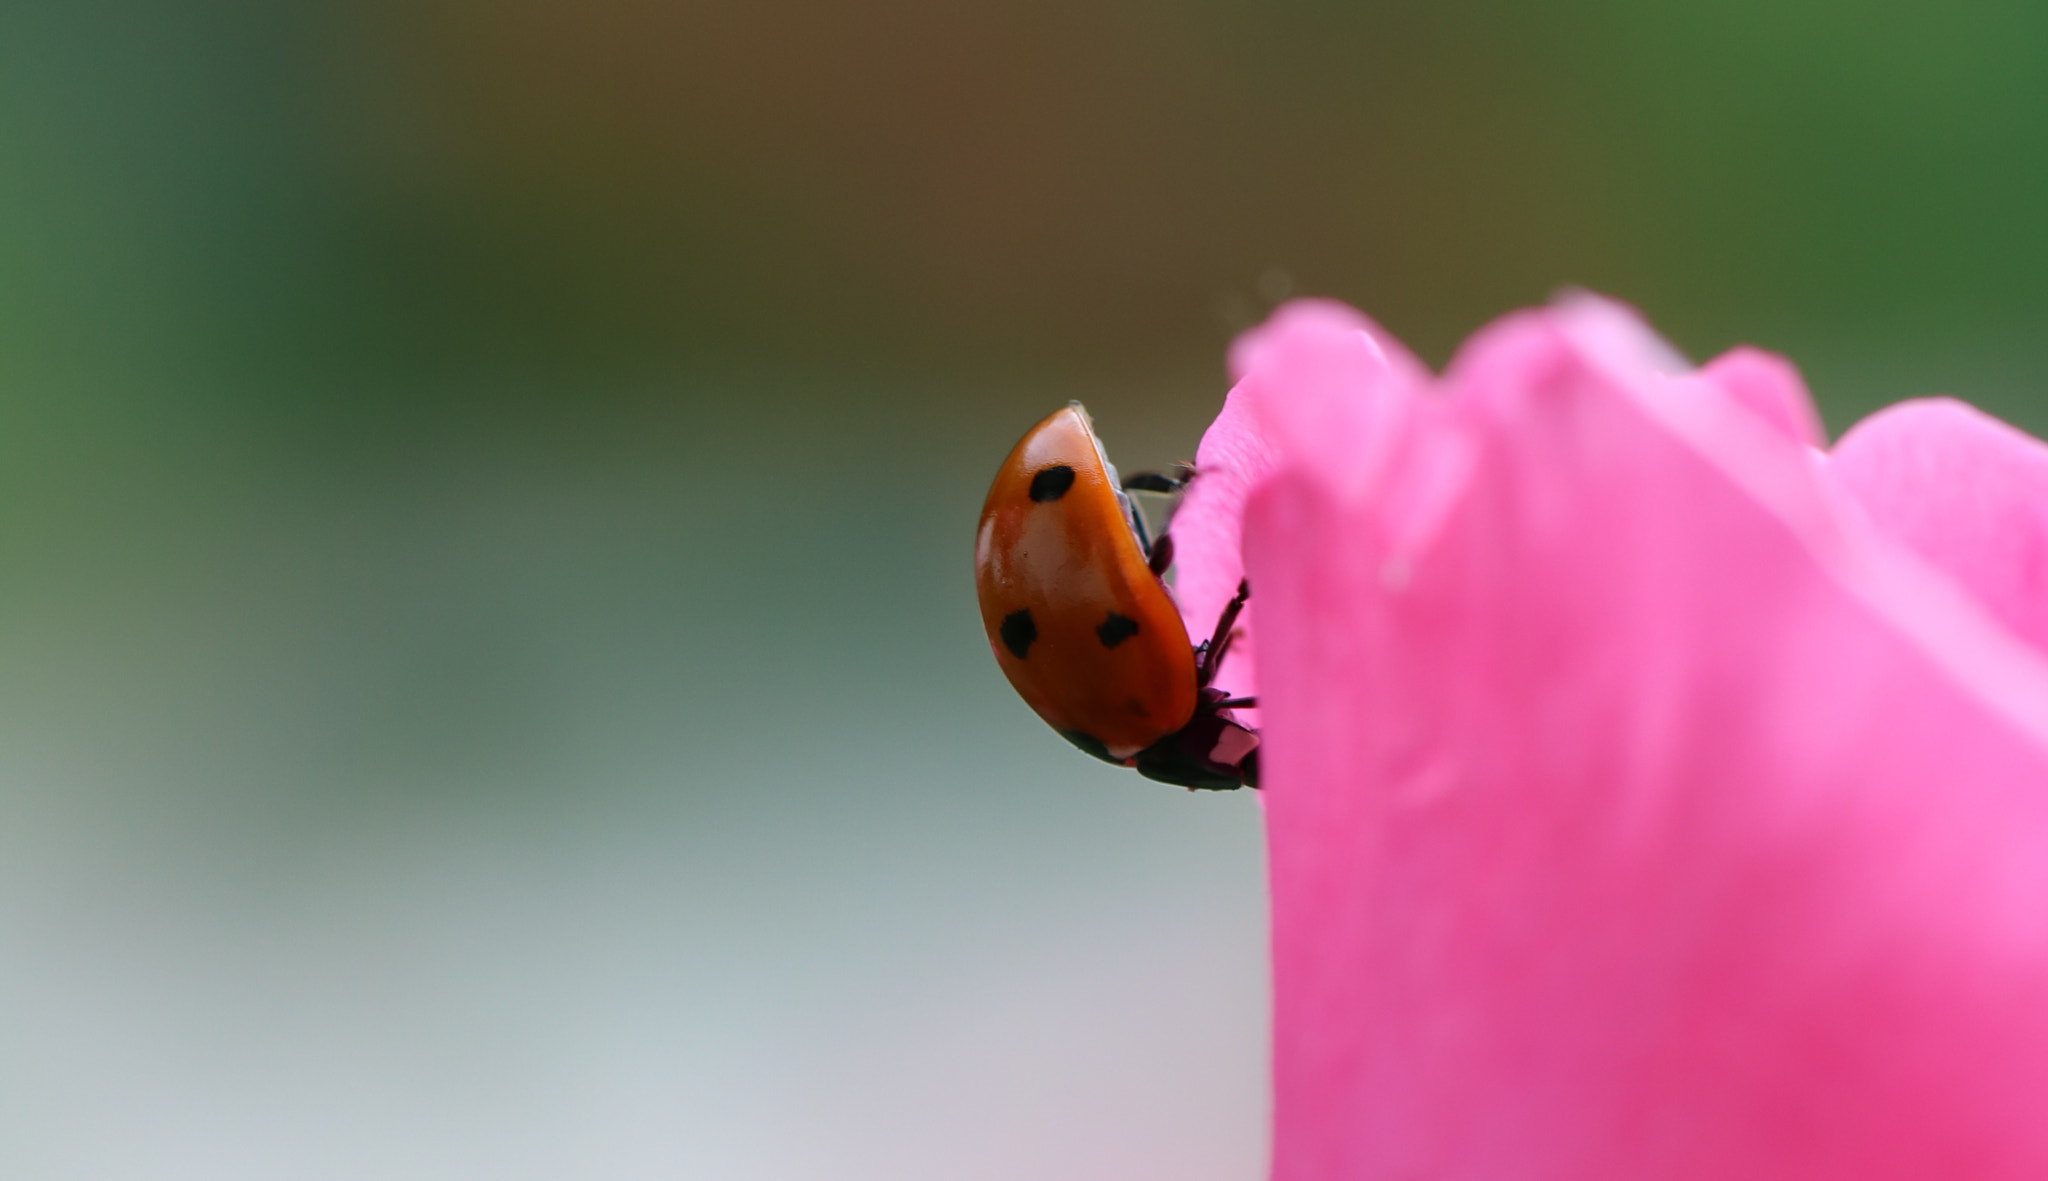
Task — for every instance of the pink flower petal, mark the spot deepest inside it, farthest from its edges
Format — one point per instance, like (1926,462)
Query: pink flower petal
(1634,810)
(1771,388)
(1312,316)
(1964,491)
(1235,455)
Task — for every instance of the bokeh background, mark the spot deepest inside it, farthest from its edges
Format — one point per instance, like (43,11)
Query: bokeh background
(489,682)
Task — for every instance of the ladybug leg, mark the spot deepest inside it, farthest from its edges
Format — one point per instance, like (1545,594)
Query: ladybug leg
(1237,703)
(1209,658)
(1161,556)
(1219,643)
(1159,553)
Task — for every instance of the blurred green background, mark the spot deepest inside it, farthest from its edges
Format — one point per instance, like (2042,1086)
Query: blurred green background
(489,684)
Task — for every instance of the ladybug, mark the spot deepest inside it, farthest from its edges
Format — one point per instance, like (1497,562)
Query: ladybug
(1081,623)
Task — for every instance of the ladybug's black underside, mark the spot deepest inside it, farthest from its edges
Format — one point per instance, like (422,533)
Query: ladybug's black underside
(1184,756)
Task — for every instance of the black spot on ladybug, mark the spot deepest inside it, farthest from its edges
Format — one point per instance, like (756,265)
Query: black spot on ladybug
(1115,630)
(1051,483)
(1018,632)
(1091,744)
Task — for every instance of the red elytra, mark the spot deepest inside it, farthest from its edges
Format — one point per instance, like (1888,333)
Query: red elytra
(1085,629)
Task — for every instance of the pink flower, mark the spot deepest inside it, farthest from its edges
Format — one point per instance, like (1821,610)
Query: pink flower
(1650,794)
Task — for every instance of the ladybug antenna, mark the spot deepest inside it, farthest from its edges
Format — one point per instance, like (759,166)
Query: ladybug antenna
(1158,482)
(1165,483)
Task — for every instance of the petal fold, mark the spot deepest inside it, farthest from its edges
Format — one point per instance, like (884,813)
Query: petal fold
(1771,388)
(1967,493)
